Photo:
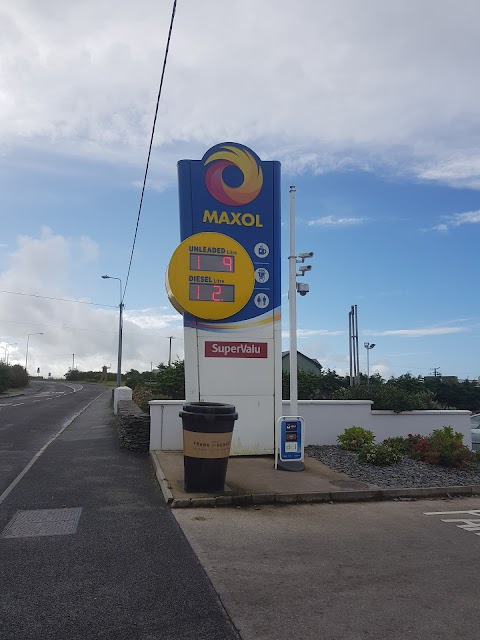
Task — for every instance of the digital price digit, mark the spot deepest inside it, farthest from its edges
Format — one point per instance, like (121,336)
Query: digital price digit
(217,290)
(207,262)
(212,292)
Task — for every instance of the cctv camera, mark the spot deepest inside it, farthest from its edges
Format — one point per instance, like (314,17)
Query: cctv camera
(306,255)
(307,267)
(302,288)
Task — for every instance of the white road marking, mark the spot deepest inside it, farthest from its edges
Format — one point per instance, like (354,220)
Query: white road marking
(472,512)
(16,405)
(468,524)
(24,471)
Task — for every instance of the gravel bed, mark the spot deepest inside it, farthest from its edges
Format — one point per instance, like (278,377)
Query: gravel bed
(404,474)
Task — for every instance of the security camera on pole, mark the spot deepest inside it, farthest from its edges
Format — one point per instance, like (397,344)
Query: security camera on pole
(289,445)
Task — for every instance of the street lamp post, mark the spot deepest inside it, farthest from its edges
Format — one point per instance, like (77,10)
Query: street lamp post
(368,346)
(38,333)
(10,344)
(120,330)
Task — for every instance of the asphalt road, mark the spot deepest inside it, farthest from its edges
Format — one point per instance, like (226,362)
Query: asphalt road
(28,421)
(126,572)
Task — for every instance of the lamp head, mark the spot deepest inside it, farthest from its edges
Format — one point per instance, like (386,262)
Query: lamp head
(105,277)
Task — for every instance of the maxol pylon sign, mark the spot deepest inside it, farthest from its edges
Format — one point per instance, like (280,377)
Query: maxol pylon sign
(225,279)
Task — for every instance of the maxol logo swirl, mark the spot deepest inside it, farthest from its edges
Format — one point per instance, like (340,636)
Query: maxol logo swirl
(230,155)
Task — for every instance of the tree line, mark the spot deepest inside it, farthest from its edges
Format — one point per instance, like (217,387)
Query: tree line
(403,393)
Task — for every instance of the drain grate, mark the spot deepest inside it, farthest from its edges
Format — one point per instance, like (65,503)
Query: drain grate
(43,522)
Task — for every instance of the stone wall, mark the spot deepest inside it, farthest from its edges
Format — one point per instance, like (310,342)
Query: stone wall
(133,426)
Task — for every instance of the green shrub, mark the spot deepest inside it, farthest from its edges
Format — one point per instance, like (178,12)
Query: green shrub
(398,444)
(133,378)
(18,376)
(4,377)
(443,447)
(379,454)
(354,438)
(142,396)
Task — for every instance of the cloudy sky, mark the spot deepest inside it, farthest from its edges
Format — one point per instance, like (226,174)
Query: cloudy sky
(371,107)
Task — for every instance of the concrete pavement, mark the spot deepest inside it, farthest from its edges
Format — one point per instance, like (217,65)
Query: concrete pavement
(253,480)
(382,570)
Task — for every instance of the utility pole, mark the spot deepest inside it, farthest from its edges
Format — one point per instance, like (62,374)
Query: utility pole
(435,374)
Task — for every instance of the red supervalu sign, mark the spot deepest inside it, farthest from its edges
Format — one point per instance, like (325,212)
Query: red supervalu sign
(236,349)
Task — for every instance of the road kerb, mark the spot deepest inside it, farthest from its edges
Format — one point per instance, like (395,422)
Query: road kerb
(162,480)
(355,495)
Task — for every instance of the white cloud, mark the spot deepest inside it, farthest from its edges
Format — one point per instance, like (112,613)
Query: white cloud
(89,249)
(442,228)
(462,169)
(43,266)
(330,221)
(336,85)
(308,333)
(457,220)
(417,333)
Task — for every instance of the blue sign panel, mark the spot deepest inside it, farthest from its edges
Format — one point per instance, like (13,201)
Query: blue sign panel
(291,439)
(231,191)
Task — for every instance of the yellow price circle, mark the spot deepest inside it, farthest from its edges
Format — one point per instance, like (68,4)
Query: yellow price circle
(210,275)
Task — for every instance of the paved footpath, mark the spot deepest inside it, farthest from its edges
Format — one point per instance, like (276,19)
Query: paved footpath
(126,573)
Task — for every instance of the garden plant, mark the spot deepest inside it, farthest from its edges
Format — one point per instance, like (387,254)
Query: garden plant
(443,447)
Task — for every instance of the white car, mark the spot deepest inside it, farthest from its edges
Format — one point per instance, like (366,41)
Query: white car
(475,423)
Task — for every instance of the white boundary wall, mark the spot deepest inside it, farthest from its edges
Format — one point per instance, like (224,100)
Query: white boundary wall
(324,421)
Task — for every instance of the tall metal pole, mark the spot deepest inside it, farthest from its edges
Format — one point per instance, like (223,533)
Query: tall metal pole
(37,333)
(170,338)
(356,346)
(7,350)
(350,345)
(26,354)
(368,346)
(120,330)
(292,300)
(120,339)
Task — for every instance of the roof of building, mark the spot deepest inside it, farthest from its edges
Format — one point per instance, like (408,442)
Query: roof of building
(286,353)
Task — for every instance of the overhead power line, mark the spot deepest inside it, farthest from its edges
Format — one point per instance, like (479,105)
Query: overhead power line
(55,326)
(151,144)
(35,295)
